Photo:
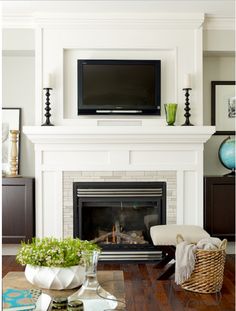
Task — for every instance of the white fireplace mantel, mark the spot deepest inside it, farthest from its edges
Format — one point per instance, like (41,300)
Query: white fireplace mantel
(106,147)
(118,134)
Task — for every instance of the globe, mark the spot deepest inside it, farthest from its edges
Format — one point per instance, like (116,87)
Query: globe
(227,154)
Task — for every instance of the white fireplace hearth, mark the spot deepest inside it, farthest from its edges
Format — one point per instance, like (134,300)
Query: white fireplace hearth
(64,154)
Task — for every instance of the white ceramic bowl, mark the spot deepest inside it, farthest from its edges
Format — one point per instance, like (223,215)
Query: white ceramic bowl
(55,278)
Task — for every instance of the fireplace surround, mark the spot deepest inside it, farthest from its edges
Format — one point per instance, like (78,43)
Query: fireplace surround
(112,148)
(72,177)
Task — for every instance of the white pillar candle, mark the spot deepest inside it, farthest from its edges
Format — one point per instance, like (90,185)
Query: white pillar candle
(187,81)
(48,81)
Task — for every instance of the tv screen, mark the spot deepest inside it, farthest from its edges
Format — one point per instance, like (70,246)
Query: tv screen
(119,86)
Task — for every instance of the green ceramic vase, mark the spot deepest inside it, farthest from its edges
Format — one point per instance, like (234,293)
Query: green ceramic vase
(170,110)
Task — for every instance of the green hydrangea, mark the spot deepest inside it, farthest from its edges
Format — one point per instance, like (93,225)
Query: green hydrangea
(52,252)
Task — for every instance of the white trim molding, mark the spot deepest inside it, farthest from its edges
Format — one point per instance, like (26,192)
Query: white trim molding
(159,20)
(219,23)
(17,21)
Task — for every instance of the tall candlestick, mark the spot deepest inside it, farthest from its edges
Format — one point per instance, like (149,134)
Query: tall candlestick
(187,108)
(47,108)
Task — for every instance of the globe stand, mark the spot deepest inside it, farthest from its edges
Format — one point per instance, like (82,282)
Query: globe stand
(231,174)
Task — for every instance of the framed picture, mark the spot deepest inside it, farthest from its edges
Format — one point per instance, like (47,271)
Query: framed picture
(11,120)
(223,102)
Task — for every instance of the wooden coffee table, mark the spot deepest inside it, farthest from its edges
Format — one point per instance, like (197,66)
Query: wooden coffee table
(112,281)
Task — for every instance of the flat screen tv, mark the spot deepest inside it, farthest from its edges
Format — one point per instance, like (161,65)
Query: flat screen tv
(119,87)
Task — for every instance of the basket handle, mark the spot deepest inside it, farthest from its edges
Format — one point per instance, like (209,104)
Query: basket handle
(179,238)
(223,244)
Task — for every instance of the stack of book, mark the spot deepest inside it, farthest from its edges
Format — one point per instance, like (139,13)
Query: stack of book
(24,299)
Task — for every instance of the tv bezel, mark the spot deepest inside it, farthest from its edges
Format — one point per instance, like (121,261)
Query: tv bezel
(82,110)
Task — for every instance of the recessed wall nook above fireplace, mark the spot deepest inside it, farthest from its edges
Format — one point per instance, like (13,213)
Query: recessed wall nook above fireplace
(178,47)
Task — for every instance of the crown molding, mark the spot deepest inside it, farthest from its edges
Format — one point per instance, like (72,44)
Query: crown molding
(165,19)
(17,21)
(219,23)
(157,20)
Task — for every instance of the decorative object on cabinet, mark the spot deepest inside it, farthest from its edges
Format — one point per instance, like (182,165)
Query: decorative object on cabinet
(223,103)
(47,88)
(11,120)
(18,205)
(226,154)
(14,154)
(219,206)
(170,111)
(187,88)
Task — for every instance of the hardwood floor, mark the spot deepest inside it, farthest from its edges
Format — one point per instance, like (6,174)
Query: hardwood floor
(145,293)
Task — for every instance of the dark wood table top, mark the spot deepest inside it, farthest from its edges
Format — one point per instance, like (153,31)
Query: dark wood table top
(111,281)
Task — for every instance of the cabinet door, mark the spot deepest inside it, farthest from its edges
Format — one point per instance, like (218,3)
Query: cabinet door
(220,207)
(17,210)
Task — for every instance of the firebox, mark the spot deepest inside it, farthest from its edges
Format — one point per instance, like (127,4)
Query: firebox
(118,217)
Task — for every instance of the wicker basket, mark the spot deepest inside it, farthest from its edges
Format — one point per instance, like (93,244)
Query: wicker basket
(208,274)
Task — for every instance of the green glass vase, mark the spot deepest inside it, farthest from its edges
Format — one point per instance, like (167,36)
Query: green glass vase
(170,110)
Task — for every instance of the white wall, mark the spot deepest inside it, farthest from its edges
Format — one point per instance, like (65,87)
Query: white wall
(18,85)
(215,68)
(219,40)
(18,91)
(18,39)
(18,69)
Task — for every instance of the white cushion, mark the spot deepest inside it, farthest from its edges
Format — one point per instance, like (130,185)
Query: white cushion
(166,234)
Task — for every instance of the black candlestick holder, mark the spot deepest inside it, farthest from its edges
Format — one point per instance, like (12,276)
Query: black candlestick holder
(47,108)
(187,109)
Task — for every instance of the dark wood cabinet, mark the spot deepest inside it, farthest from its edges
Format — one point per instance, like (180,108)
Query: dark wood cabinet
(219,206)
(18,205)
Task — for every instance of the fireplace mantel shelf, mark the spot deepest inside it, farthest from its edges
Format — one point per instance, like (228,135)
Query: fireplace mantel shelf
(118,134)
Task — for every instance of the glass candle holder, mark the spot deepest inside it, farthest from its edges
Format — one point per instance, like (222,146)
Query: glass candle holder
(170,110)
(91,293)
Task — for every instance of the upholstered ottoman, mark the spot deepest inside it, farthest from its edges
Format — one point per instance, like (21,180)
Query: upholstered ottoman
(164,238)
